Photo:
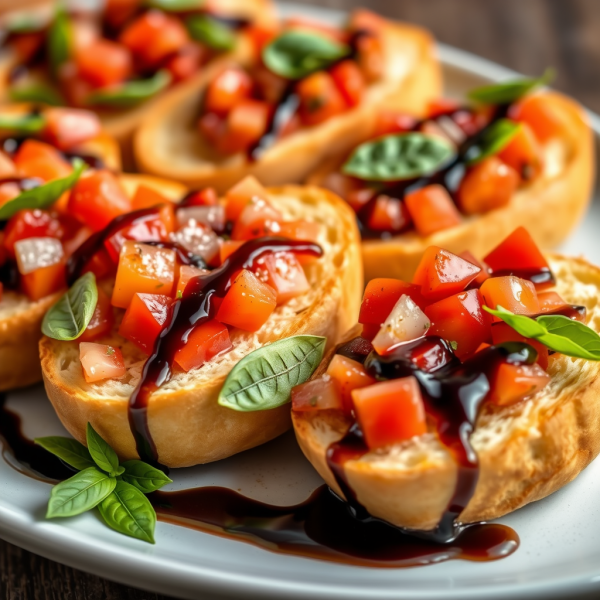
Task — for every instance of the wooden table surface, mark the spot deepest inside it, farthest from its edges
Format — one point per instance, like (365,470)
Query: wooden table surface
(526,35)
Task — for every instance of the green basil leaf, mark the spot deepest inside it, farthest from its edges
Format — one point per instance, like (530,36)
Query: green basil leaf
(59,40)
(23,124)
(494,139)
(510,91)
(68,450)
(36,92)
(296,53)
(399,156)
(264,379)
(80,493)
(210,32)
(557,332)
(104,456)
(143,476)
(68,318)
(44,195)
(128,511)
(175,5)
(132,92)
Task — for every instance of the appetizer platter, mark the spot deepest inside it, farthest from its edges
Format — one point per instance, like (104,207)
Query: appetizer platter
(444,414)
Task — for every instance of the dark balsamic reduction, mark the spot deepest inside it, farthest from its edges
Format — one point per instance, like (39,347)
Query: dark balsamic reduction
(540,277)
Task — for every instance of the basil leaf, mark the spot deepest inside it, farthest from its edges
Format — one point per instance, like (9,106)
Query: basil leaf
(143,476)
(296,53)
(175,5)
(399,156)
(44,195)
(264,379)
(59,40)
(557,332)
(493,139)
(68,318)
(104,456)
(80,493)
(210,32)
(68,450)
(132,92)
(509,92)
(36,92)
(28,123)
(128,511)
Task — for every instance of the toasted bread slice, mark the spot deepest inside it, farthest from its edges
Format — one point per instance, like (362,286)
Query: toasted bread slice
(186,422)
(526,451)
(21,319)
(168,143)
(550,207)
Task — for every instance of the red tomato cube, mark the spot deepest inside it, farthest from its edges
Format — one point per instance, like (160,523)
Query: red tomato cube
(390,412)
(187,272)
(226,90)
(241,194)
(41,265)
(518,252)
(68,127)
(350,81)
(228,247)
(101,265)
(205,342)
(516,382)
(204,197)
(371,57)
(523,153)
(30,223)
(503,332)
(389,121)
(305,231)
(317,394)
(100,361)
(284,273)
(541,116)
(485,269)
(102,319)
(146,197)
(257,219)
(320,98)
(432,209)
(247,122)
(441,106)
(386,213)
(248,303)
(144,319)
(514,294)
(348,375)
(38,159)
(104,63)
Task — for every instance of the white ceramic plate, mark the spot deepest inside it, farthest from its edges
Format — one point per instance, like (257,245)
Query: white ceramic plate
(559,553)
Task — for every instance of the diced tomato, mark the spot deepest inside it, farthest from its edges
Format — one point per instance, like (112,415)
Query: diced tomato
(104,63)
(38,159)
(482,347)
(388,214)
(306,231)
(441,106)
(257,219)
(228,247)
(102,319)
(143,269)
(523,154)
(153,36)
(226,90)
(44,281)
(503,332)
(101,264)
(187,272)
(30,223)
(432,209)
(213,127)
(144,319)
(488,185)
(68,127)
(516,382)
(247,122)
(241,194)
(318,394)
(100,361)
(97,198)
(541,115)
(41,265)
(390,412)
(146,197)
(461,320)
(485,269)
(284,273)
(514,294)
(363,19)
(198,238)
(393,122)
(517,252)
(259,36)
(381,296)
(350,81)
(248,303)
(205,197)
(320,98)
(551,301)
(349,375)
(117,12)
(370,57)
(187,62)
(75,89)
(441,274)
(205,342)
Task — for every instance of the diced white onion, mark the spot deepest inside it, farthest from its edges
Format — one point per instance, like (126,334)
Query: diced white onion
(198,239)
(213,216)
(35,253)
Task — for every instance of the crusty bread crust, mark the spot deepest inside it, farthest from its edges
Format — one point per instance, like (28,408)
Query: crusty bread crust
(187,424)
(550,208)
(526,451)
(168,144)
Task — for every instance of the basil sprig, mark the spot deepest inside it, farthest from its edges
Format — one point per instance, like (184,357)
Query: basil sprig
(59,40)
(22,124)
(44,195)
(264,378)
(399,156)
(510,91)
(557,332)
(69,317)
(35,92)
(210,32)
(175,5)
(130,93)
(493,139)
(296,53)
(116,490)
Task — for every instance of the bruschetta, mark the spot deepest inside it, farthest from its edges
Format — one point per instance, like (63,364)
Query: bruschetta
(316,91)
(479,417)
(259,289)
(522,159)
(119,60)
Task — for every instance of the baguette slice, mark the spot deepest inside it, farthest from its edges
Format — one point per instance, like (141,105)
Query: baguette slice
(168,142)
(550,207)
(21,319)
(186,422)
(526,451)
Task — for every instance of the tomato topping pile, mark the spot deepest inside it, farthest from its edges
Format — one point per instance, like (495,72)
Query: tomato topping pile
(437,323)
